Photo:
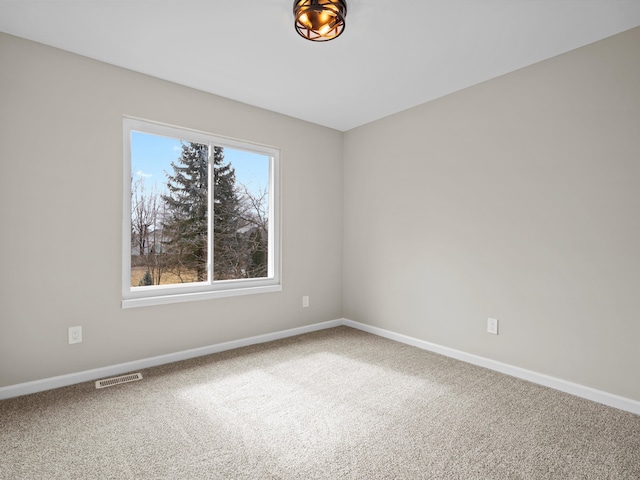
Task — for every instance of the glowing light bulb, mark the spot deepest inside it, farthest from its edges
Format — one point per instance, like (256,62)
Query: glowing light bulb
(324,17)
(304,19)
(324,30)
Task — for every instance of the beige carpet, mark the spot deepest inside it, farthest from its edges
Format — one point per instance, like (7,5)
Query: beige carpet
(333,404)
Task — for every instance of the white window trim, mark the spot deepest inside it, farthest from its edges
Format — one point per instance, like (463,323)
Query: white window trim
(177,293)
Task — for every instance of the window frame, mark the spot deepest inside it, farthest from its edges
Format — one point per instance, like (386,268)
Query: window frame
(141,296)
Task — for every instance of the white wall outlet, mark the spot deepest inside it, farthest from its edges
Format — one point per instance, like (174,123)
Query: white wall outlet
(75,335)
(305,301)
(492,326)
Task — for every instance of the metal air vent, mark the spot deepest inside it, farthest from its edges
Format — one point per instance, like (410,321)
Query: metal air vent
(109,382)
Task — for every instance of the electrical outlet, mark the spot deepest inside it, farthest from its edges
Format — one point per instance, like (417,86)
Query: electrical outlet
(75,335)
(305,301)
(492,326)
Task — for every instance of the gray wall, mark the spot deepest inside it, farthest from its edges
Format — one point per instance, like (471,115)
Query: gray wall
(518,198)
(61,216)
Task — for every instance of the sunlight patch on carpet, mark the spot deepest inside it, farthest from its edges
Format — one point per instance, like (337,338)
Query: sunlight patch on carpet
(282,406)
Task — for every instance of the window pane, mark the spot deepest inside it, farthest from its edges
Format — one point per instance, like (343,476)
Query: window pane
(169,204)
(241,214)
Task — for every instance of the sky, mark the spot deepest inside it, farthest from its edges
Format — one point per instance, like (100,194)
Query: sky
(151,157)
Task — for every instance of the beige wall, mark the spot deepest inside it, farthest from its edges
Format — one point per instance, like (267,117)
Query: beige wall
(61,216)
(518,198)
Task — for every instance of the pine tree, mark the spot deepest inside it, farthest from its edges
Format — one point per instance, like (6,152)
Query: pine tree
(229,260)
(187,203)
(146,279)
(187,217)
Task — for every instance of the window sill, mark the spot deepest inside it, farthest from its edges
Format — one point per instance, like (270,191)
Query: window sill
(195,296)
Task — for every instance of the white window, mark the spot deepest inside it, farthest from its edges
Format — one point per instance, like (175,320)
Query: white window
(200,217)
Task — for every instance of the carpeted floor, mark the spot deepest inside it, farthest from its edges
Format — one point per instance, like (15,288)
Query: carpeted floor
(333,404)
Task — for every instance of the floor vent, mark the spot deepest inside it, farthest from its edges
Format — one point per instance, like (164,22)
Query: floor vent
(109,382)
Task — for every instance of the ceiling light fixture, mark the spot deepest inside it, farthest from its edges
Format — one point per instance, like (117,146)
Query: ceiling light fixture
(319,20)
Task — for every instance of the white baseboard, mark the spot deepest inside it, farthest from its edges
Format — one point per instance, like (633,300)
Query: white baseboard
(98,373)
(578,390)
(582,391)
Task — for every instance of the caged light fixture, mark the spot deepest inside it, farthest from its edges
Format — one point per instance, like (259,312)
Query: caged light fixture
(319,20)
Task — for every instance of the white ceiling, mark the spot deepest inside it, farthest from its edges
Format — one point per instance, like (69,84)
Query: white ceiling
(393,54)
